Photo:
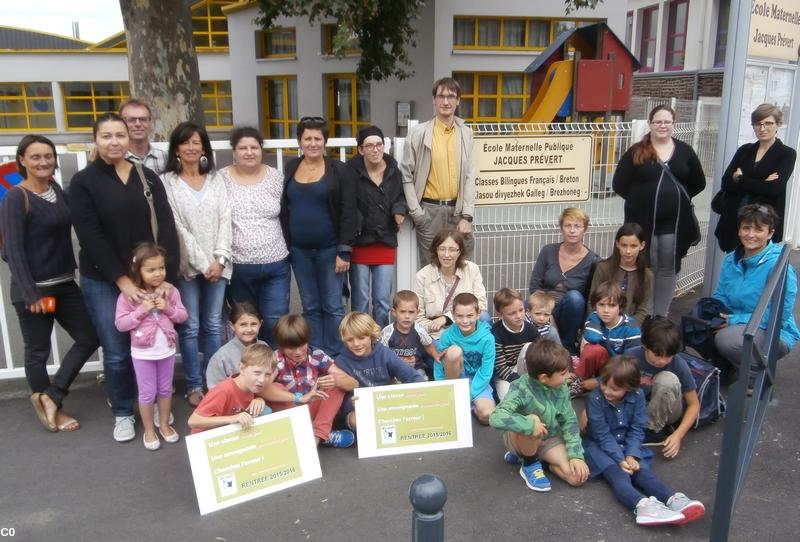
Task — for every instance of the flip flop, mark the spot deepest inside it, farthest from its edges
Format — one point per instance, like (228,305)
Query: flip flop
(67,423)
(36,401)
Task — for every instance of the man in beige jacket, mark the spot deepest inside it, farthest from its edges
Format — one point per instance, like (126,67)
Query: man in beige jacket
(439,172)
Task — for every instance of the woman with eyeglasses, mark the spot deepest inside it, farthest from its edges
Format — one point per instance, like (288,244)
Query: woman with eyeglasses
(744,276)
(319,219)
(564,270)
(758,173)
(657,178)
(381,210)
(448,274)
(261,272)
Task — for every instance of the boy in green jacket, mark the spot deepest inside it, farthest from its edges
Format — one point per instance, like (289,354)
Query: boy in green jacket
(539,422)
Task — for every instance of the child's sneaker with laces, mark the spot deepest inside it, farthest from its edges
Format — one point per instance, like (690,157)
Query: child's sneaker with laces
(340,439)
(576,387)
(690,508)
(511,458)
(651,511)
(534,477)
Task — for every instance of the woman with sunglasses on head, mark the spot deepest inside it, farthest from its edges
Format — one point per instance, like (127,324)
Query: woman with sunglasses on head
(381,210)
(758,173)
(37,245)
(319,220)
(657,178)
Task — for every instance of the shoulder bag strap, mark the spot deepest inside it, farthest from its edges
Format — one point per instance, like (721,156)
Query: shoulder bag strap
(450,294)
(148,195)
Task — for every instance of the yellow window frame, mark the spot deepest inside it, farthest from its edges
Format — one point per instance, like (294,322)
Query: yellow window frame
(263,51)
(218,93)
(475,96)
(122,94)
(210,11)
(285,120)
(27,113)
(503,20)
(328,31)
(354,123)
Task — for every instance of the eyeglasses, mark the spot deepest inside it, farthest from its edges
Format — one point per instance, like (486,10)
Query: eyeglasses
(447,97)
(312,119)
(134,120)
(661,123)
(372,146)
(762,125)
(448,250)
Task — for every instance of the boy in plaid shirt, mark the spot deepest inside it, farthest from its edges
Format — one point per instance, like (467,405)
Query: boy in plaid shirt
(306,375)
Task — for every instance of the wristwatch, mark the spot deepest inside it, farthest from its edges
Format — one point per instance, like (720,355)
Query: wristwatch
(297,397)
(223,261)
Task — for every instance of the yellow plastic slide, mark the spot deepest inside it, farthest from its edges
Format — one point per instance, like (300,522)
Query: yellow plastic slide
(554,90)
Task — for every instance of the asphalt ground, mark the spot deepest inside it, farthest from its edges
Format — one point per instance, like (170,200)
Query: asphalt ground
(84,486)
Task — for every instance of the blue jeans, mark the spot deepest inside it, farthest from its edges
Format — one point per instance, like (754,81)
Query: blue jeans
(321,294)
(203,302)
(630,489)
(570,314)
(382,282)
(101,300)
(268,286)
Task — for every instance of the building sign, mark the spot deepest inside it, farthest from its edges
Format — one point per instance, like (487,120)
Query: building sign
(413,418)
(775,30)
(533,169)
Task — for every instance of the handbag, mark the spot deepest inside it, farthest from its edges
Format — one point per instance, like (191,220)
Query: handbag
(718,202)
(148,195)
(682,189)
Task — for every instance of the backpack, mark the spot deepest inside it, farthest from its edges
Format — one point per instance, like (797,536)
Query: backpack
(706,378)
(697,329)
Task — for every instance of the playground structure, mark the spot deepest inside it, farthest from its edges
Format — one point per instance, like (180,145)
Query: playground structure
(583,76)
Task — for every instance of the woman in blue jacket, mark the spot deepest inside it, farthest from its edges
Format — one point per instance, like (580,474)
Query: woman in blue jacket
(744,276)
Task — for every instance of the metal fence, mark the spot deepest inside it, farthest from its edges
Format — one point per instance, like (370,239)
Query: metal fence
(507,238)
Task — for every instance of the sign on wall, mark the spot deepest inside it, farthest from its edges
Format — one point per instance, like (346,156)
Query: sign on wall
(533,169)
(775,30)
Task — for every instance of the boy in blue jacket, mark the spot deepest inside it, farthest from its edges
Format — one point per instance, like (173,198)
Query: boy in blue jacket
(367,360)
(467,351)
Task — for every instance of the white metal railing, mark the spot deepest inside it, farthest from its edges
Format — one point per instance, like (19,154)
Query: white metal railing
(507,238)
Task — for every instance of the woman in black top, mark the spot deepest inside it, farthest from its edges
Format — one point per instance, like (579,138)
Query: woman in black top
(381,210)
(111,215)
(318,217)
(758,173)
(37,245)
(646,179)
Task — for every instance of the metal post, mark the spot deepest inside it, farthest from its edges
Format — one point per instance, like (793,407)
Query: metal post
(427,495)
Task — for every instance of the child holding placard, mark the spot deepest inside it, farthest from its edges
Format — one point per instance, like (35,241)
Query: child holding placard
(368,361)
(234,399)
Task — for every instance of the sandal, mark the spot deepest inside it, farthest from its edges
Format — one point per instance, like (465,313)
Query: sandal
(152,446)
(173,438)
(36,401)
(66,423)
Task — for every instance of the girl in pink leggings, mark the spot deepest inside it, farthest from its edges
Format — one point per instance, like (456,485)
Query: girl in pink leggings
(151,321)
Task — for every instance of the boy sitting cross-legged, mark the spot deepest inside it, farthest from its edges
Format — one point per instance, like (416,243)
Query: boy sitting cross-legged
(405,337)
(467,351)
(539,421)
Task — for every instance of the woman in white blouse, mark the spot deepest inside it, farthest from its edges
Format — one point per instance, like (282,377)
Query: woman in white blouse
(261,272)
(203,218)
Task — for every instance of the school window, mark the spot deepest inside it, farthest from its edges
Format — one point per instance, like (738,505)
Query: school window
(277,43)
(26,106)
(647,54)
(209,24)
(329,35)
(85,101)
(676,34)
(217,104)
(348,105)
(279,95)
(509,33)
(722,33)
(492,97)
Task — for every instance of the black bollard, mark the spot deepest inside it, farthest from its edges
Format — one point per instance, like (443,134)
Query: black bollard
(427,495)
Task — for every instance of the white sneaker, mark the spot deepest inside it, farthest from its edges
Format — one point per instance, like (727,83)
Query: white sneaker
(157,421)
(124,429)
(651,511)
(690,508)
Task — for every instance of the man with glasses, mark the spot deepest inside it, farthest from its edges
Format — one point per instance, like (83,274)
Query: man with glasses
(438,171)
(139,119)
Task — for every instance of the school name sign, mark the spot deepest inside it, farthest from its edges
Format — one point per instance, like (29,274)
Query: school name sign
(775,30)
(532,169)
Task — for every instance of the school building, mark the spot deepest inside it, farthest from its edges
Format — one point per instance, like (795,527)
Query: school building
(57,86)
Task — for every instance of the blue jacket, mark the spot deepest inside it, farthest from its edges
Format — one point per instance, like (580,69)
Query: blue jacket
(478,348)
(615,431)
(618,339)
(741,282)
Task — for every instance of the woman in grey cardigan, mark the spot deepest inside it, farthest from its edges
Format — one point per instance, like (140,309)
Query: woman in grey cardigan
(203,219)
